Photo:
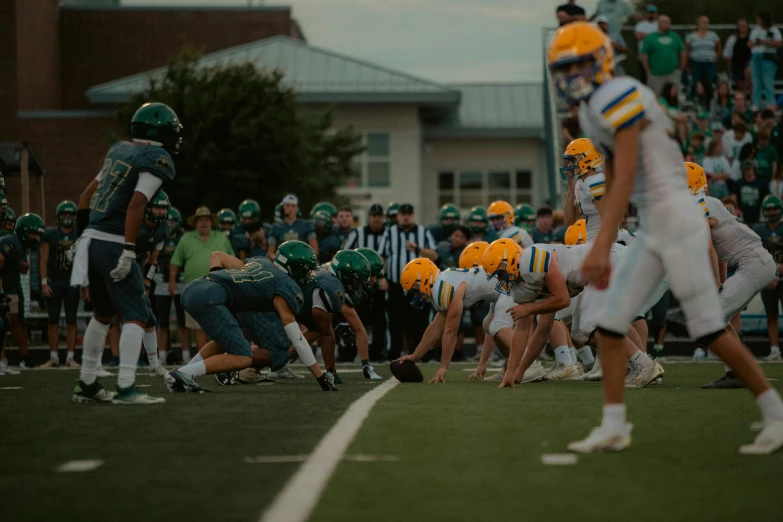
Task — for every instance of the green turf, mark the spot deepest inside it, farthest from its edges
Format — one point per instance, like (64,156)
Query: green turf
(468,451)
(182,460)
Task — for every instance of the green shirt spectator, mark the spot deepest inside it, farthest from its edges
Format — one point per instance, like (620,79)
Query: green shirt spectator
(663,52)
(766,156)
(193,250)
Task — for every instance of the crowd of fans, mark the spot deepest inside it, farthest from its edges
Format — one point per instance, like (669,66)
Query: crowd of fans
(726,122)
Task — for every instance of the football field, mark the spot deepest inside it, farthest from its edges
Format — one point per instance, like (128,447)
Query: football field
(453,452)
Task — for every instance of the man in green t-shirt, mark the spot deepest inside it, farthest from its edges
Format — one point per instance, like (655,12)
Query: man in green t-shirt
(663,54)
(766,156)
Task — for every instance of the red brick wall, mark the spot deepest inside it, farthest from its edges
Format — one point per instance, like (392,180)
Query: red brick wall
(100,46)
(38,54)
(8,94)
(72,152)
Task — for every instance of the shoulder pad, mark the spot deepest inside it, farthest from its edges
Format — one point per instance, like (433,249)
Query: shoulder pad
(158,162)
(618,104)
(535,260)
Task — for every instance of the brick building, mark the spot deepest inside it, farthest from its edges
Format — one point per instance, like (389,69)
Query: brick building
(51,54)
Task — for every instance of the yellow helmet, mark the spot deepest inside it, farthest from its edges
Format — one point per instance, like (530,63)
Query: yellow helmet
(417,279)
(500,208)
(580,59)
(473,255)
(580,157)
(576,233)
(697,179)
(501,260)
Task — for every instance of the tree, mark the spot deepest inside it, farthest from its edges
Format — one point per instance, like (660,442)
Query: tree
(246,136)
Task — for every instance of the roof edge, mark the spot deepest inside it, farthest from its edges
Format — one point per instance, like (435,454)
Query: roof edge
(482,132)
(238,8)
(42,115)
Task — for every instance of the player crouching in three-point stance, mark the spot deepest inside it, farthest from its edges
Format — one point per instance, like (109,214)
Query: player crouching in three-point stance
(233,287)
(641,157)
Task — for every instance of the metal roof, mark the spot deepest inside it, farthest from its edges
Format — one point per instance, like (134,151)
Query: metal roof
(317,75)
(496,110)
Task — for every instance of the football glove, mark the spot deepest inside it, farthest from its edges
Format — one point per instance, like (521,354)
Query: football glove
(327,382)
(127,258)
(344,332)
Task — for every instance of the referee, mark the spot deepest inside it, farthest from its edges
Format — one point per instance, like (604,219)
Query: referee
(374,311)
(401,244)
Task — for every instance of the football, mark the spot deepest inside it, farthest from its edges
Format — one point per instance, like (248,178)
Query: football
(406,371)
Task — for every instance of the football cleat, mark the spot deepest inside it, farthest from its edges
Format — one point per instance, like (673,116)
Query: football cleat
(596,373)
(132,395)
(26,363)
(560,372)
(73,364)
(251,375)
(284,373)
(158,371)
(227,378)
(91,392)
(535,373)
(603,439)
(768,441)
(726,382)
(498,377)
(699,354)
(51,363)
(5,370)
(369,373)
(177,381)
(102,372)
(774,356)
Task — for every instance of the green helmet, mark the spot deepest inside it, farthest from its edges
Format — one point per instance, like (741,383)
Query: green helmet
(353,271)
(157,122)
(326,206)
(298,260)
(449,212)
(3,210)
(226,215)
(159,200)
(249,209)
(66,207)
(3,186)
(524,214)
(176,216)
(392,209)
(772,206)
(279,212)
(478,214)
(26,226)
(376,266)
(10,216)
(322,217)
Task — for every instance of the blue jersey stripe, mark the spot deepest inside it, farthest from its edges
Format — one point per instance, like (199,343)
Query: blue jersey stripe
(532,259)
(618,100)
(630,122)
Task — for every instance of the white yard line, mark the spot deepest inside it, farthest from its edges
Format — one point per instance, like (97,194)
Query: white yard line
(78,466)
(298,498)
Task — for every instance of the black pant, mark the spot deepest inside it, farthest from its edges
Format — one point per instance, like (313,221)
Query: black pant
(404,320)
(373,312)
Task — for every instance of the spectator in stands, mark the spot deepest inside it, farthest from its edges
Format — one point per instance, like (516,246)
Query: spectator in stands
(766,156)
(670,99)
(570,126)
(718,170)
(737,55)
(765,40)
(731,204)
(767,124)
(618,43)
(543,232)
(663,55)
(558,227)
(695,148)
(750,190)
(616,13)
(734,139)
(643,28)
(449,251)
(741,109)
(747,152)
(776,134)
(569,12)
(721,104)
(703,48)
(192,257)
(291,227)
(776,185)
(717,130)
(344,223)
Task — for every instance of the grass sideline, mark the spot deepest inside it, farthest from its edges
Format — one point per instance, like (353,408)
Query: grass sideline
(465,451)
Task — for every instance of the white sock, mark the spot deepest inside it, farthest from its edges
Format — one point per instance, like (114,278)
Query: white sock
(614,416)
(69,357)
(53,355)
(658,347)
(151,347)
(196,369)
(640,358)
(771,406)
(774,349)
(92,349)
(563,356)
(572,352)
(196,358)
(186,355)
(162,356)
(130,348)
(726,367)
(586,355)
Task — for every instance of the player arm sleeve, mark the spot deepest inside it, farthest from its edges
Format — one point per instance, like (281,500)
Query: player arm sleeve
(300,344)
(148,184)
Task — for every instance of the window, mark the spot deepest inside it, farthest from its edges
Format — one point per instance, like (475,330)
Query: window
(469,188)
(373,166)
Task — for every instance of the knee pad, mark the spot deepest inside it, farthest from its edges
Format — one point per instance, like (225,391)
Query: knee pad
(707,340)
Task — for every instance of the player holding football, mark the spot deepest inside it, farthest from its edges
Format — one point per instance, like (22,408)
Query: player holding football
(624,120)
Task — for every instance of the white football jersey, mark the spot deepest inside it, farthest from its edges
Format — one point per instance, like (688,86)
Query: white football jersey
(518,235)
(732,240)
(479,288)
(618,104)
(624,237)
(587,191)
(534,266)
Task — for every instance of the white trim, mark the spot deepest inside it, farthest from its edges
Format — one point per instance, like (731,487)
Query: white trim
(299,497)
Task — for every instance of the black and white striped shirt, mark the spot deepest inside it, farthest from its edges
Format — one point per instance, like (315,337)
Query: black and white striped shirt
(393,248)
(364,237)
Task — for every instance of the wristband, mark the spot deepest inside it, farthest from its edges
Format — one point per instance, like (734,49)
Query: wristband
(130,246)
(44,281)
(215,268)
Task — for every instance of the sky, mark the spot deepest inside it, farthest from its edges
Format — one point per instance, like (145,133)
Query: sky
(441,40)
